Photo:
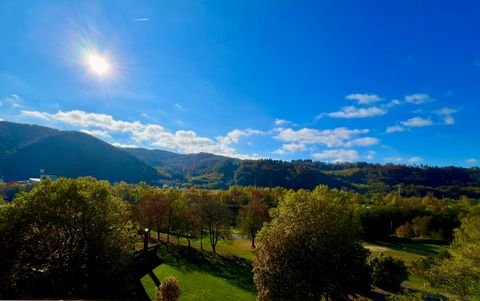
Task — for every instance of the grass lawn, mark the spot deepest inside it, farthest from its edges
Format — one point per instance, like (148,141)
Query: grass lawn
(228,276)
(197,285)
(408,252)
(202,275)
(237,247)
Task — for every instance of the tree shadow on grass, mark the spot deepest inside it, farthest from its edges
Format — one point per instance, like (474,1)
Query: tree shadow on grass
(144,264)
(236,270)
(410,247)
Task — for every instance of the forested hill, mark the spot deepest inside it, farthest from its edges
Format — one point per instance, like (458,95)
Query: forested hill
(25,149)
(212,171)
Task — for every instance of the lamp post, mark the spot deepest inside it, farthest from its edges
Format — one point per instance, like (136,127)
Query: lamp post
(145,239)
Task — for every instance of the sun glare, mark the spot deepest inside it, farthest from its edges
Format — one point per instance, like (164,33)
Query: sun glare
(99,65)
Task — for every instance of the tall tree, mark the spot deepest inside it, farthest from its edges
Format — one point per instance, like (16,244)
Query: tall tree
(310,250)
(217,219)
(252,217)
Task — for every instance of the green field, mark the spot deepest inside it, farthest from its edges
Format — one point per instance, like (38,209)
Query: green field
(408,252)
(204,276)
(228,276)
(237,246)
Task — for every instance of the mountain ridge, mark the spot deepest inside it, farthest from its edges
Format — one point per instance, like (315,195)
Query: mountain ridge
(25,149)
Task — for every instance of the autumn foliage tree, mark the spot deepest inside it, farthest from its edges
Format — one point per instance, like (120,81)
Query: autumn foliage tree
(251,218)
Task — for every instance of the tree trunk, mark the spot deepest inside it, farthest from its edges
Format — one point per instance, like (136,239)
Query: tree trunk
(253,240)
(168,228)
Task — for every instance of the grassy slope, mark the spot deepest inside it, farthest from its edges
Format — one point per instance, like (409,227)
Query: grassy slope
(203,276)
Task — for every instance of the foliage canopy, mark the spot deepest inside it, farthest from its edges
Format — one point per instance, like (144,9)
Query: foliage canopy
(310,249)
(69,237)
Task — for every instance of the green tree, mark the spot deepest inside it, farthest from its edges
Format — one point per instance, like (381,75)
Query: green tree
(422,226)
(67,238)
(310,250)
(388,272)
(460,274)
(251,218)
(216,219)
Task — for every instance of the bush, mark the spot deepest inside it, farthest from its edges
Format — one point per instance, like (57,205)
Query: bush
(169,290)
(388,272)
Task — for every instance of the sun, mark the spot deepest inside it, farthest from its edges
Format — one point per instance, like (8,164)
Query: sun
(98,64)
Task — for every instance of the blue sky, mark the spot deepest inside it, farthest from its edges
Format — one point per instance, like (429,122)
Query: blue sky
(376,81)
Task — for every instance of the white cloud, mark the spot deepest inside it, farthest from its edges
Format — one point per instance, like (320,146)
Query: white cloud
(393,103)
(331,138)
(355,112)
(234,136)
(471,161)
(337,155)
(280,122)
(35,114)
(395,129)
(417,122)
(97,133)
(415,159)
(12,100)
(418,98)
(290,148)
(141,19)
(370,155)
(364,98)
(364,141)
(152,134)
(179,106)
(124,145)
(446,114)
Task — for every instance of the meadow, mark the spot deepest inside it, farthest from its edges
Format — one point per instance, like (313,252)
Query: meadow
(203,275)
(228,276)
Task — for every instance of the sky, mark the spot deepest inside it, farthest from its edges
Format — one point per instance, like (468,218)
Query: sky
(375,81)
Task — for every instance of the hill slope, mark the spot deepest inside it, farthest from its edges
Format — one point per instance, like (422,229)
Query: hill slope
(212,171)
(25,149)
(68,154)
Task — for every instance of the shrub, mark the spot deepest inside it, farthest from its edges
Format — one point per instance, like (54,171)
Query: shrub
(169,290)
(388,272)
